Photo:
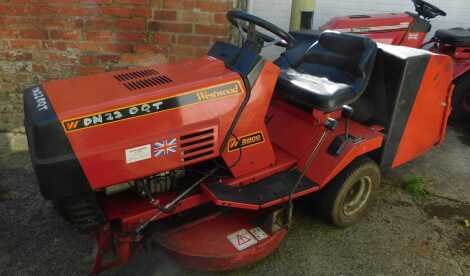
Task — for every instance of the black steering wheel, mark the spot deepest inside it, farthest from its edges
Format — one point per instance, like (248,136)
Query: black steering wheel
(237,17)
(427,10)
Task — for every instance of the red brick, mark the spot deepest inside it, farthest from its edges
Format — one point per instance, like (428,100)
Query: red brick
(99,36)
(212,29)
(56,45)
(175,27)
(42,10)
(56,23)
(193,39)
(196,17)
(25,44)
(34,34)
(131,37)
(14,10)
(178,4)
(61,59)
(19,1)
(214,6)
(126,11)
(135,2)
(200,51)
(90,47)
(8,34)
(109,58)
(39,68)
(18,56)
(16,22)
(163,38)
(130,24)
(62,1)
(65,35)
(88,60)
(96,1)
(165,15)
(146,48)
(182,50)
(220,18)
(98,24)
(153,26)
(66,23)
(119,48)
(76,11)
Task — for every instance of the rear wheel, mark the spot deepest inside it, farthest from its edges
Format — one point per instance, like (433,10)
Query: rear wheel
(461,99)
(345,200)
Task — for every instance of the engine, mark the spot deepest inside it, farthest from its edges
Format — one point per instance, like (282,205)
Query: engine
(84,212)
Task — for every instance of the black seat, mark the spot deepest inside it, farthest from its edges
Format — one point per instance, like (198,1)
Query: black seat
(334,72)
(459,37)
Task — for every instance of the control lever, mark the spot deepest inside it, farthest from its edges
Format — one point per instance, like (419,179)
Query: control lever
(330,125)
(347,113)
(340,142)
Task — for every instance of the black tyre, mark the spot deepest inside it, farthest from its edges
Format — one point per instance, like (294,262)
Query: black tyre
(345,200)
(461,99)
(82,213)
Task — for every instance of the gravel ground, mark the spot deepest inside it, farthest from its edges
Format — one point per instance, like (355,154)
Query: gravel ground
(401,236)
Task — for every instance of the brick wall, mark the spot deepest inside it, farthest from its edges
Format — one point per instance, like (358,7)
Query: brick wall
(52,39)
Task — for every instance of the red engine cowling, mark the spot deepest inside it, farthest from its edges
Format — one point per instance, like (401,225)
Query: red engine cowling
(102,130)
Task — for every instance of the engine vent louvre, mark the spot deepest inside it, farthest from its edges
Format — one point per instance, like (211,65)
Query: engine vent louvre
(135,75)
(197,145)
(142,79)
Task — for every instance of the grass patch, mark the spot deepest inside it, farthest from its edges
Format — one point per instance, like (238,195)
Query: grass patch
(415,186)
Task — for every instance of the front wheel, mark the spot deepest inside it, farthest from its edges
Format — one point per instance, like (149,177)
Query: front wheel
(345,200)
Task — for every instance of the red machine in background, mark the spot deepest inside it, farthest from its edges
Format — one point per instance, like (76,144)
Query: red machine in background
(411,29)
(207,155)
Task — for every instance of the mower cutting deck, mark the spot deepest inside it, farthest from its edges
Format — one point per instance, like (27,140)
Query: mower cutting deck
(206,156)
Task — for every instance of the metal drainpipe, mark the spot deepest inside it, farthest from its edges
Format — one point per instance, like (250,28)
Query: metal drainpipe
(235,37)
(242,4)
(302,14)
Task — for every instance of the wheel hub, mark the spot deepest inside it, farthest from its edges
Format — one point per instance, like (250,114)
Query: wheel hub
(358,196)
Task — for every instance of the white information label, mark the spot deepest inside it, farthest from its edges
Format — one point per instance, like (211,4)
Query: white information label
(259,233)
(242,239)
(138,154)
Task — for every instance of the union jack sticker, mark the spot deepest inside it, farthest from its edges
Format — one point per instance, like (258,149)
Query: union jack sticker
(164,148)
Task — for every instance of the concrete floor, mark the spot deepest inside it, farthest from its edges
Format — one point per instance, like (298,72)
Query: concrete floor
(400,236)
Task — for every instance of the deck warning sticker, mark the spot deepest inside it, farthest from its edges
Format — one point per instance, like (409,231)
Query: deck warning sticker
(138,154)
(242,239)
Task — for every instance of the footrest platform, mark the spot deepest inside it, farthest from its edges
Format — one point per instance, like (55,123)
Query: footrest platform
(262,194)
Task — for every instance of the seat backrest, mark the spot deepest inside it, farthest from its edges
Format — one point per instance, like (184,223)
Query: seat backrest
(350,54)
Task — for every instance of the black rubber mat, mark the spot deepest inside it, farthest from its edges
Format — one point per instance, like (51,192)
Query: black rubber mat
(264,191)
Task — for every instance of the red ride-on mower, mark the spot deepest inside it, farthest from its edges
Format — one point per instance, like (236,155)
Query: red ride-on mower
(207,155)
(410,29)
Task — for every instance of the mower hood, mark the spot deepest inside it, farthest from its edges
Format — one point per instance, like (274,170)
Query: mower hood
(113,121)
(75,97)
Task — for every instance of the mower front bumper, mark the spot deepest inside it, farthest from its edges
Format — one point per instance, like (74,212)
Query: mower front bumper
(57,168)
